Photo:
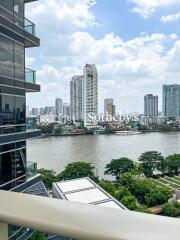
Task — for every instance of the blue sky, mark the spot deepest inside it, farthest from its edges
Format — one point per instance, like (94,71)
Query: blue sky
(134,43)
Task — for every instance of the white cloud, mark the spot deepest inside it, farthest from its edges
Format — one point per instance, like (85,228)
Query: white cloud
(66,15)
(147,7)
(127,69)
(171,17)
(30,61)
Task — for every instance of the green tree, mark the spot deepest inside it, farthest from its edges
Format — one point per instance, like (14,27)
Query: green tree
(48,177)
(109,187)
(119,166)
(77,170)
(166,128)
(121,193)
(58,130)
(173,164)
(171,209)
(47,129)
(129,202)
(146,192)
(142,127)
(151,162)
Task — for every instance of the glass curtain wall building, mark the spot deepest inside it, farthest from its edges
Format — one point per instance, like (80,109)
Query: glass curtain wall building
(16,34)
(171,100)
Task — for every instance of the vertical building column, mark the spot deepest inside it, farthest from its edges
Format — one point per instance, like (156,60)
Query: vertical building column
(3,231)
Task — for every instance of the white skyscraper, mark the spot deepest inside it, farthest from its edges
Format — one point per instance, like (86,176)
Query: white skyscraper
(76,95)
(58,106)
(90,94)
(150,105)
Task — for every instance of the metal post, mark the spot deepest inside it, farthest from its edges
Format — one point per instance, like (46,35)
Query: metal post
(3,231)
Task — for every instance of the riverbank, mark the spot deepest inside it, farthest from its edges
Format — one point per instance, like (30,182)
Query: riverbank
(104,133)
(56,152)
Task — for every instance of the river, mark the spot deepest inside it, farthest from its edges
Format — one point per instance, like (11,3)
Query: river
(56,152)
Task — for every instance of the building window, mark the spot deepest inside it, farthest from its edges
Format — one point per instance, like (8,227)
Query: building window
(19,8)
(7,110)
(7,4)
(20,110)
(19,60)
(6,57)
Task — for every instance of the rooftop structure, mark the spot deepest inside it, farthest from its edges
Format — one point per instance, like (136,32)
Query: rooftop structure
(85,190)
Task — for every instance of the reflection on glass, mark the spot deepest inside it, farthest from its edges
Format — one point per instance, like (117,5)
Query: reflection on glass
(19,60)
(31,169)
(7,110)
(20,110)
(6,57)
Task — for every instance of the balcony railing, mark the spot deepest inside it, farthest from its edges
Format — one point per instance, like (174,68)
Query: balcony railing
(82,221)
(12,183)
(29,27)
(31,169)
(30,76)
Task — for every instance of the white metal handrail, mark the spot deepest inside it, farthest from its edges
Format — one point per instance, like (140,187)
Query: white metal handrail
(82,221)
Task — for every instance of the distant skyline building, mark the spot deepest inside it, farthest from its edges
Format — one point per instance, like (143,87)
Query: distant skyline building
(35,111)
(58,106)
(66,110)
(41,111)
(49,110)
(150,105)
(76,98)
(111,110)
(171,100)
(90,94)
(27,110)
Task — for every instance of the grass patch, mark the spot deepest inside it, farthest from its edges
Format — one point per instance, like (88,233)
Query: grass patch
(159,184)
(173,185)
(177,178)
(173,180)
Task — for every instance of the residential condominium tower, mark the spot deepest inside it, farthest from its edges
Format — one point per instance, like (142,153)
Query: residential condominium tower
(76,98)
(16,174)
(90,95)
(111,110)
(58,106)
(66,110)
(171,100)
(150,105)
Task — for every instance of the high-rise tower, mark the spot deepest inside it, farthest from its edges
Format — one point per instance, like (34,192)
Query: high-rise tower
(150,105)
(16,34)
(76,98)
(171,100)
(90,95)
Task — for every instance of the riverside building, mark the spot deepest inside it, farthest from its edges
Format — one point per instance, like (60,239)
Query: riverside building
(171,100)
(150,105)
(76,98)
(90,95)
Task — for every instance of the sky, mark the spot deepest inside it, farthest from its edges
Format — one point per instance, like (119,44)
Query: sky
(135,45)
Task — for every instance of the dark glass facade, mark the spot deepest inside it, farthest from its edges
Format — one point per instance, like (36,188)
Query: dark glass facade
(13,88)
(14,38)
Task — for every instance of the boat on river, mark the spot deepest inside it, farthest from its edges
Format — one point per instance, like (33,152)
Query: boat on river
(127,132)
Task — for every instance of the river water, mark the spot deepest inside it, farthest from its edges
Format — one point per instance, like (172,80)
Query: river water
(56,152)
